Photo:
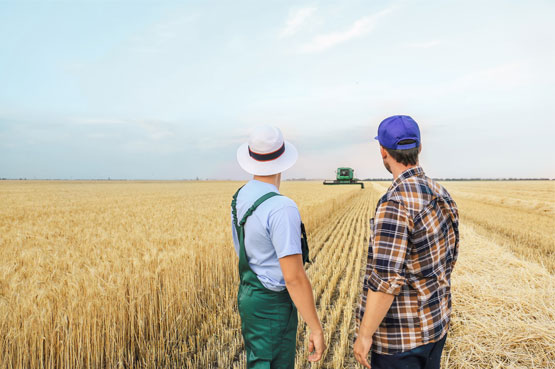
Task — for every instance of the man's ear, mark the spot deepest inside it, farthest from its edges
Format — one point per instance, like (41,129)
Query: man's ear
(420,148)
(383,152)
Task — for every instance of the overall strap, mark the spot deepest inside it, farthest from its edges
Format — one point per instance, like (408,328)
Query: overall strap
(234,210)
(304,245)
(240,228)
(241,224)
(255,205)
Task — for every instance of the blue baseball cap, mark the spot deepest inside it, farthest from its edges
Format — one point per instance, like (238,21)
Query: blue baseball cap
(397,128)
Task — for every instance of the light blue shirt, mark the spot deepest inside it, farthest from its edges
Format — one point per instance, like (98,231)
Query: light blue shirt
(271,232)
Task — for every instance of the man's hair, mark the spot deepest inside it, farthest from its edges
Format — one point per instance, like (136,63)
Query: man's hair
(405,157)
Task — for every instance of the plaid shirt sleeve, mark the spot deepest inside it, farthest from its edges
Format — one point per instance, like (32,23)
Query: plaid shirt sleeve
(390,228)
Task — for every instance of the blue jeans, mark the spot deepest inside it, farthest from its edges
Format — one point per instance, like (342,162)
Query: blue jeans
(427,356)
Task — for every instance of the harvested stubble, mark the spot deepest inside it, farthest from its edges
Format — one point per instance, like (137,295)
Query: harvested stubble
(335,275)
(504,309)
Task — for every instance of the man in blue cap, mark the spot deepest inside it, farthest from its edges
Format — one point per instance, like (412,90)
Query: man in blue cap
(405,307)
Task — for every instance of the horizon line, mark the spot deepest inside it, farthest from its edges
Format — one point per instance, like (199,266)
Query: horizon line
(377,179)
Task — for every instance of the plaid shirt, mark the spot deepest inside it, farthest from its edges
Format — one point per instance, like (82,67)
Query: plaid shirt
(413,248)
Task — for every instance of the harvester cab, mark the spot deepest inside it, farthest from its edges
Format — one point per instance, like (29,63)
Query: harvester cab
(345,176)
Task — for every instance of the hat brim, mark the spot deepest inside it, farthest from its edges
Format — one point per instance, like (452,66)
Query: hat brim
(267,168)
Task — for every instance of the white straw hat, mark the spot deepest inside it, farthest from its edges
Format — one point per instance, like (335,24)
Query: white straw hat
(267,152)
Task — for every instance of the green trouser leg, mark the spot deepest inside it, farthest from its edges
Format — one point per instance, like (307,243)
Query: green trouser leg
(269,327)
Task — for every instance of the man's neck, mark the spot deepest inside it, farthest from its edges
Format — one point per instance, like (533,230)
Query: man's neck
(397,170)
(273,179)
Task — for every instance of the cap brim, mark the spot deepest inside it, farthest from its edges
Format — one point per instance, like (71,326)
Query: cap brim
(376,138)
(267,168)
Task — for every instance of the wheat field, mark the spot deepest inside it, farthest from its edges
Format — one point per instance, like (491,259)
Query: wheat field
(143,274)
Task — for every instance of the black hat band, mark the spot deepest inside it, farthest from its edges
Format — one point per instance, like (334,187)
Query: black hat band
(267,157)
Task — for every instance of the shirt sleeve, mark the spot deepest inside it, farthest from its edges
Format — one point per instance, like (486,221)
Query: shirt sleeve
(389,248)
(285,231)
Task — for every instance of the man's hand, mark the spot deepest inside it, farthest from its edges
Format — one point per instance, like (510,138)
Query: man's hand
(361,349)
(316,345)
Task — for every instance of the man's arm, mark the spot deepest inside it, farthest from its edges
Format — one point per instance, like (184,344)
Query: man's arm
(285,231)
(300,291)
(377,306)
(385,274)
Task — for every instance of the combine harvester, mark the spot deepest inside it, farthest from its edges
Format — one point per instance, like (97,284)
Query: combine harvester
(345,176)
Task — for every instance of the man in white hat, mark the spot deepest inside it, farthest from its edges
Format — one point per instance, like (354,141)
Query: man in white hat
(267,233)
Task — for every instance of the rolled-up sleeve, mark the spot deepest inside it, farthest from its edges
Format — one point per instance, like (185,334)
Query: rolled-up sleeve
(389,248)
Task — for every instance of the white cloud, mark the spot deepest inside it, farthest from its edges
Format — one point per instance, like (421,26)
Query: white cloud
(360,27)
(424,45)
(296,20)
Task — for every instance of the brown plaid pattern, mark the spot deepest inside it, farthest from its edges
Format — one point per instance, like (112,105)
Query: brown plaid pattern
(413,249)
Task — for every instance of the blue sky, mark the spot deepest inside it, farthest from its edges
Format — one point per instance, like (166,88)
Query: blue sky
(169,90)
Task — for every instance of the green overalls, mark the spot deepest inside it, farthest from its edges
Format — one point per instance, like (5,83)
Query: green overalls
(268,318)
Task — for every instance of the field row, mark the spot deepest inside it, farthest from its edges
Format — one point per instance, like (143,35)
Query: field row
(335,277)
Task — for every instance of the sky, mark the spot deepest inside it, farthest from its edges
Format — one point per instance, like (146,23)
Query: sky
(170,89)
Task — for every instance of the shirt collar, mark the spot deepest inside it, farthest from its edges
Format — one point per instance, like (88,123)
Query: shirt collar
(414,171)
